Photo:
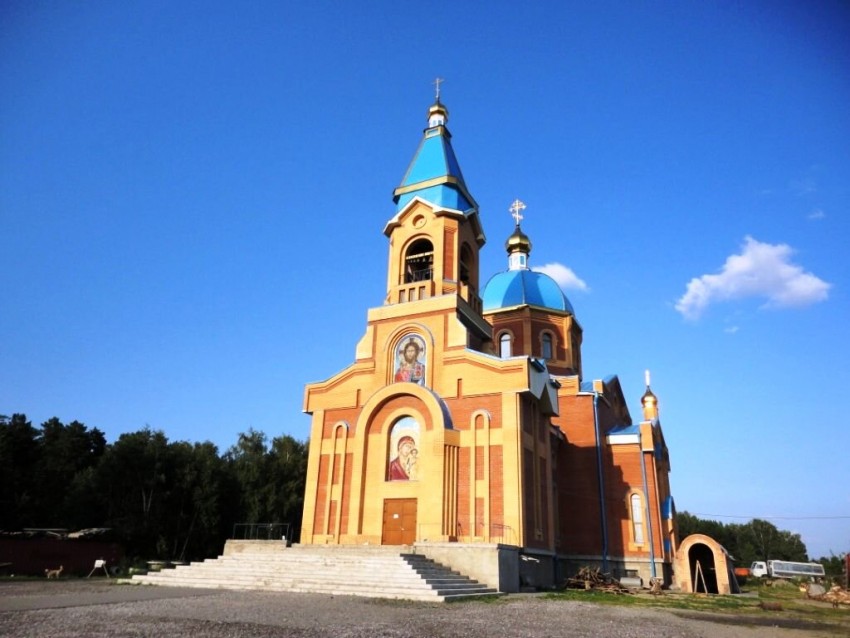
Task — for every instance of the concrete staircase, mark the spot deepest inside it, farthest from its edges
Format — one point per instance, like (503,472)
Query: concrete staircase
(377,572)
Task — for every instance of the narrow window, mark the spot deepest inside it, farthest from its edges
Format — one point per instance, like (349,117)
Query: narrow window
(505,345)
(465,263)
(547,345)
(637,519)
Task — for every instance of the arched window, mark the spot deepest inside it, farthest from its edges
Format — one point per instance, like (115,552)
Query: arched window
(505,345)
(419,261)
(637,518)
(546,345)
(403,456)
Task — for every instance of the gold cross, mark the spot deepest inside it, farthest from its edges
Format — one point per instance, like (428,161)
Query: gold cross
(516,210)
(437,83)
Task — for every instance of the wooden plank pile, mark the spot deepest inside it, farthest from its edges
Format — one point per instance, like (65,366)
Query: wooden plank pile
(592,578)
(836,595)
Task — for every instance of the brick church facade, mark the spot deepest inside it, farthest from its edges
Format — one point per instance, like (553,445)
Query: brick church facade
(464,422)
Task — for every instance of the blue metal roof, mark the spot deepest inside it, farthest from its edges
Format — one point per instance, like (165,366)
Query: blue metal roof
(632,428)
(524,287)
(434,158)
(434,174)
(442,195)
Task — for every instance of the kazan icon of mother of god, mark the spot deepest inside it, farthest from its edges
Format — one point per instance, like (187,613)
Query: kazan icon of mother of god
(411,367)
(404,466)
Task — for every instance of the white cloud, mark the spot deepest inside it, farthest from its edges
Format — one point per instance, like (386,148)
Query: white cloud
(731,330)
(565,277)
(816,214)
(804,186)
(761,270)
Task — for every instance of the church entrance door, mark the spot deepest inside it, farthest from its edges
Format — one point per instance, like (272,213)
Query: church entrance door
(399,521)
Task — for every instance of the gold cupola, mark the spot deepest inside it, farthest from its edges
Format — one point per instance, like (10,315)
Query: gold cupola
(649,402)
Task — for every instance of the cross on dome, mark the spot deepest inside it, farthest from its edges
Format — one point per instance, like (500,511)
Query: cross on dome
(516,210)
(437,84)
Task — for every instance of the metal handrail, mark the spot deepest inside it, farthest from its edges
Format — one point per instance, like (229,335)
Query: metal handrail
(261,531)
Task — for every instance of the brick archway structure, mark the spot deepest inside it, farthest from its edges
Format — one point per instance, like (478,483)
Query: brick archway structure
(703,565)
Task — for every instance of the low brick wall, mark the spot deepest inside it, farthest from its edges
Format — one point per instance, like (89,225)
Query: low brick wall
(31,556)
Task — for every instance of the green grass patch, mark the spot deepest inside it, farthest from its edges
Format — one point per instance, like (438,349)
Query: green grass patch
(783,605)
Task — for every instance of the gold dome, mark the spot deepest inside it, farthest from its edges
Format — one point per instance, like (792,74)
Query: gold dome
(518,242)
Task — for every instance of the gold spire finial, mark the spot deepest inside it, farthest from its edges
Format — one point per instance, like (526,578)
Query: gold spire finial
(437,83)
(516,210)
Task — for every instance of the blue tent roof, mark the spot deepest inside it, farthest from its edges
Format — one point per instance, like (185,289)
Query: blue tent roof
(434,174)
(524,288)
(434,158)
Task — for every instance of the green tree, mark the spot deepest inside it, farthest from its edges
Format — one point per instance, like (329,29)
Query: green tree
(66,450)
(247,460)
(132,479)
(270,480)
(194,520)
(834,567)
(19,457)
(770,543)
(748,542)
(288,474)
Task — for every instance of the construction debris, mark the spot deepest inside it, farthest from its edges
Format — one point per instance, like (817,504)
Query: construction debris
(592,578)
(655,585)
(836,595)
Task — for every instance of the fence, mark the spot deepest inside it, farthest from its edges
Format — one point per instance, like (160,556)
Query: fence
(261,531)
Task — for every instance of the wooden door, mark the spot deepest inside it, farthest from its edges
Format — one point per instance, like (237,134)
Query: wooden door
(399,521)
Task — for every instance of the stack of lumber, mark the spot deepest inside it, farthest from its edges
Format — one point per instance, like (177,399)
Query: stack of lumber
(836,596)
(592,578)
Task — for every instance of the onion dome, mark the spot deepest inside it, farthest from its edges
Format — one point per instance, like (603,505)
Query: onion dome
(519,285)
(518,242)
(649,402)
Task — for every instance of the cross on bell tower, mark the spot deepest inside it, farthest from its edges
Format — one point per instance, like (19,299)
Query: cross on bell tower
(437,83)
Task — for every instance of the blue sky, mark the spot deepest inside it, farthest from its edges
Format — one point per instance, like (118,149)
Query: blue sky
(192,198)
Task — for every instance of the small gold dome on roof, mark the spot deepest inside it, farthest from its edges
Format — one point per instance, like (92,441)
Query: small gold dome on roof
(438,114)
(518,242)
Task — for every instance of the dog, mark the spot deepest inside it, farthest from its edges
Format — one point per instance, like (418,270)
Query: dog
(54,573)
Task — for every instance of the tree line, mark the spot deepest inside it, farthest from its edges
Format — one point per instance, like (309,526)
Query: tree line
(756,540)
(180,501)
(170,500)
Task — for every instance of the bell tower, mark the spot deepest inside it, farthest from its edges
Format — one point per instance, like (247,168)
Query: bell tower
(435,234)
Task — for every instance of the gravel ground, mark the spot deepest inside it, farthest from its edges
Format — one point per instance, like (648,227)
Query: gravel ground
(42,609)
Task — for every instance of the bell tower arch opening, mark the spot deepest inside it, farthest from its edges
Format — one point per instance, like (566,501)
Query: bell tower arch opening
(419,261)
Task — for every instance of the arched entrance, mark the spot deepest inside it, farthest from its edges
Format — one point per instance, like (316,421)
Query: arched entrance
(702,565)
(703,569)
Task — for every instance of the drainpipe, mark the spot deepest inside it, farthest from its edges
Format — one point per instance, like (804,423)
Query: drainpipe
(602,516)
(646,495)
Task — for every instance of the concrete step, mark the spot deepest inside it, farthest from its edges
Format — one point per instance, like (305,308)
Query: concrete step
(246,581)
(383,583)
(381,572)
(395,593)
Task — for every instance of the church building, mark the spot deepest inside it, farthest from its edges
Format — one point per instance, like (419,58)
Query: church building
(464,428)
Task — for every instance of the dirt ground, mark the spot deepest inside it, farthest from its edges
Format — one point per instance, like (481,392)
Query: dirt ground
(100,609)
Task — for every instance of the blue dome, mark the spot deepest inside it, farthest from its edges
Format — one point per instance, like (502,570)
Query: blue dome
(524,287)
